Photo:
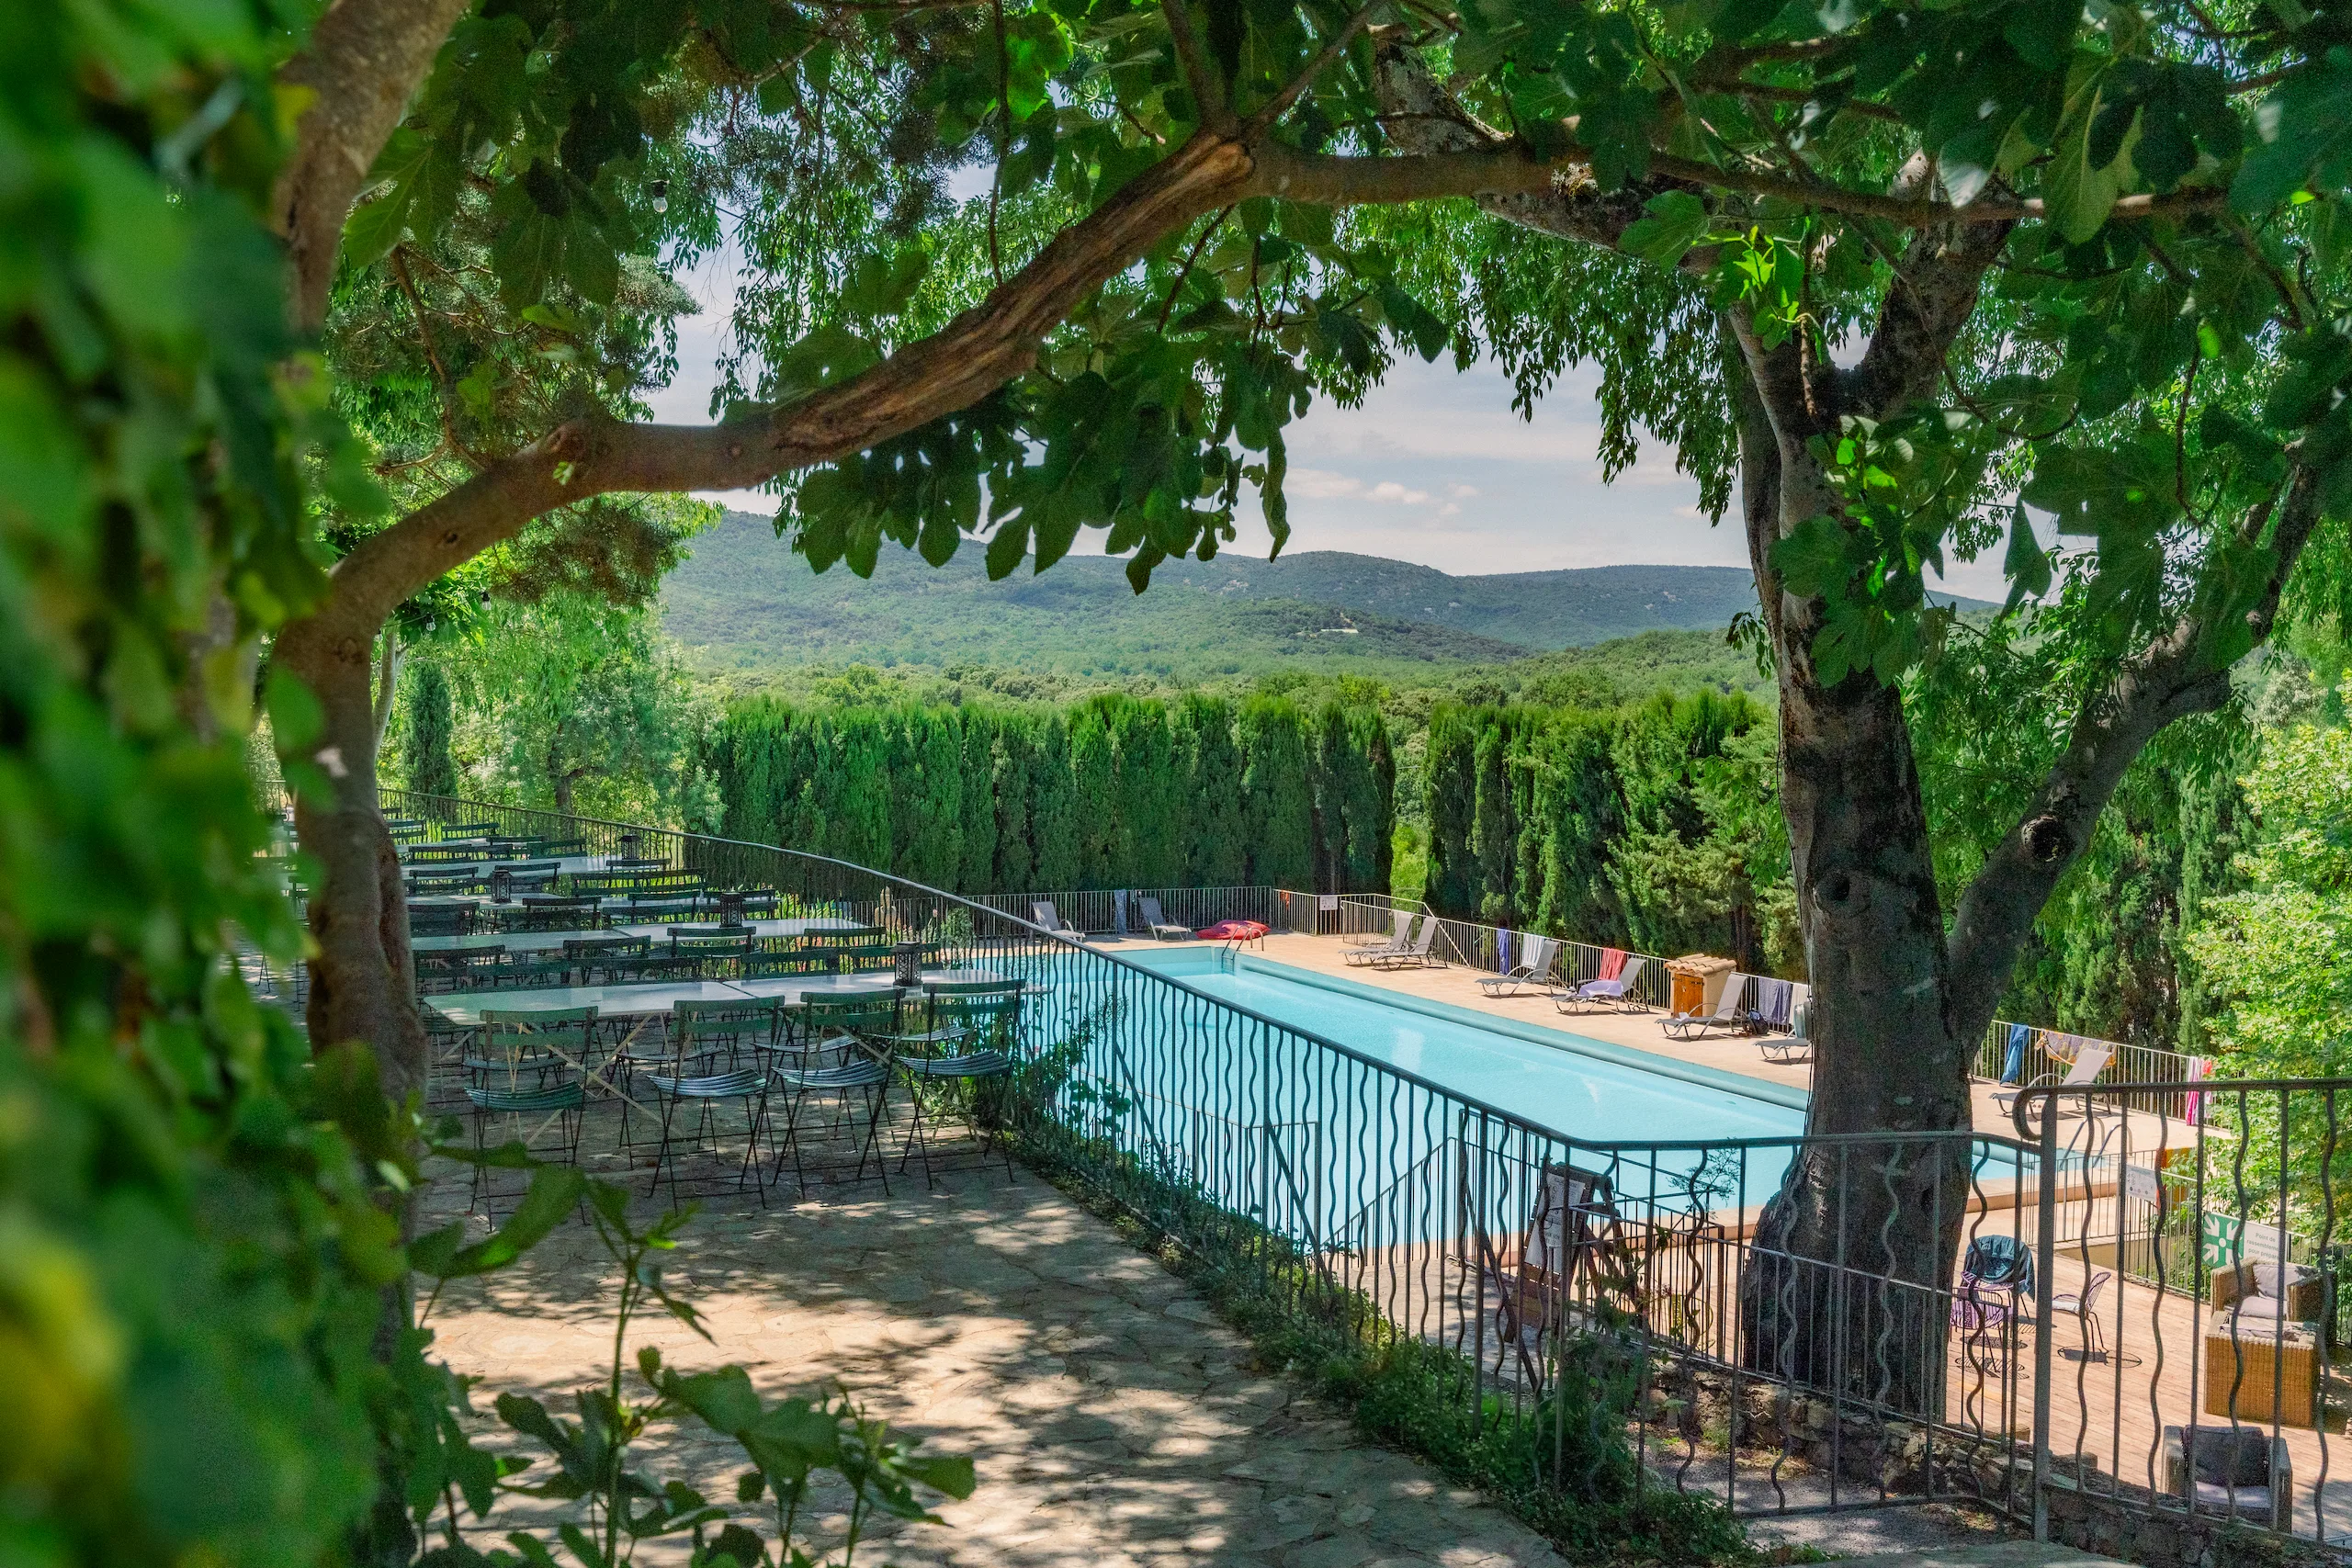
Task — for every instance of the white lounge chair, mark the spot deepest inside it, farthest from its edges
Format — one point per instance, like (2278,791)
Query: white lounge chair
(1163,928)
(1696,1025)
(2089,1061)
(1399,920)
(1535,971)
(1401,942)
(1616,991)
(1042,911)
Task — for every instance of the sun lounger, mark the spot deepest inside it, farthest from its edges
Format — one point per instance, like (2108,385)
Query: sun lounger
(2089,1061)
(1402,942)
(1399,922)
(1163,928)
(1536,971)
(1616,991)
(1042,911)
(1698,1025)
(1415,957)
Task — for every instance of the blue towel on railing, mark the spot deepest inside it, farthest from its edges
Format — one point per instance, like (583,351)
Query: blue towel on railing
(1502,952)
(2013,1066)
(1771,1000)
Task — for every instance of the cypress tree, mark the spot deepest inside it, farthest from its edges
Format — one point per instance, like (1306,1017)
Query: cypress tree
(975,731)
(1151,800)
(1451,787)
(1054,810)
(856,820)
(1096,818)
(1328,795)
(1382,758)
(927,789)
(1012,761)
(1217,849)
(1578,814)
(1494,833)
(1278,805)
(431,768)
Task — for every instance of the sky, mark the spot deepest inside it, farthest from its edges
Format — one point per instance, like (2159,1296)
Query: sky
(1435,467)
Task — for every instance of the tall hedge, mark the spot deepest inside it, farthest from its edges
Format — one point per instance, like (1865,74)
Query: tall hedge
(1114,792)
(1591,824)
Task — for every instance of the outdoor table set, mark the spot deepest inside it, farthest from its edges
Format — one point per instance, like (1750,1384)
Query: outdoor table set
(830,1048)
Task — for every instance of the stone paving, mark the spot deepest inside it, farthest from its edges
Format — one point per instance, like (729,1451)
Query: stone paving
(1113,1420)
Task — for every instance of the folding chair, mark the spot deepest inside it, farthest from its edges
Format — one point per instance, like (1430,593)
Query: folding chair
(971,1038)
(546,1046)
(562,1106)
(833,1052)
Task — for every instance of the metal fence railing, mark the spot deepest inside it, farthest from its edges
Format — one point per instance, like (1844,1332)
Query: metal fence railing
(1542,1276)
(1922,1322)
(2047,1053)
(2189,1326)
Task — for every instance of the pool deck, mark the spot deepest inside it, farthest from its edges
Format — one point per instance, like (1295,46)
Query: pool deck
(1456,985)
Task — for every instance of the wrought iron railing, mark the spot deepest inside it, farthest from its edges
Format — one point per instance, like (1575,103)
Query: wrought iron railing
(1375,1205)
(2127,1063)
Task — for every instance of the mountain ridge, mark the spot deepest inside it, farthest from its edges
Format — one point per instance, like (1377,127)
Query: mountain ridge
(744,600)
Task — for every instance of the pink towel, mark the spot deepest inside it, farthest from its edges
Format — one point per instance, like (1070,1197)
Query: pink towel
(1613,962)
(2199,1069)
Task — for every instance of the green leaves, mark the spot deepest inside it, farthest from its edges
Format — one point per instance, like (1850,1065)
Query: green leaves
(554,1192)
(1677,222)
(2087,172)
(2303,134)
(2025,564)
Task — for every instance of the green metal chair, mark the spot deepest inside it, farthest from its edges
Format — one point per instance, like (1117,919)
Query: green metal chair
(470,968)
(971,1041)
(543,912)
(838,1049)
(763,964)
(537,971)
(545,1045)
(440,920)
(563,1106)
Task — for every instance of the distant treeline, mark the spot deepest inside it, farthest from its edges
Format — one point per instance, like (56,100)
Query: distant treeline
(1654,825)
(1112,791)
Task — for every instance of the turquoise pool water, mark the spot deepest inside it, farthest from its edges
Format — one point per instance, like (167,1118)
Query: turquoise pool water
(1331,1149)
(1578,1086)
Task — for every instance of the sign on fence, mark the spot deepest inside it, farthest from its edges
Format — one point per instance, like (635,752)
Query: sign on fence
(2222,1240)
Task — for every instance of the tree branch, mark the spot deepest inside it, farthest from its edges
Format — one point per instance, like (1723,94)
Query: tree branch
(365,61)
(1207,88)
(1925,310)
(1423,118)
(1273,108)
(2171,678)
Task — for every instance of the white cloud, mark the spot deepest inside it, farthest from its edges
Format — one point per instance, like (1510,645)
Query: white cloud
(1323,484)
(1461,492)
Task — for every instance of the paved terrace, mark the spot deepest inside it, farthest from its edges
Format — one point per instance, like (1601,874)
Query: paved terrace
(1116,1423)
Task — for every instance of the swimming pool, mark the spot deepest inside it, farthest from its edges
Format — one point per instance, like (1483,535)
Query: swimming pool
(1569,1083)
(1339,1147)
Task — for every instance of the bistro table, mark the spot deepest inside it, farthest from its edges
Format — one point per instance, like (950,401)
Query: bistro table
(794,990)
(463,1010)
(550,942)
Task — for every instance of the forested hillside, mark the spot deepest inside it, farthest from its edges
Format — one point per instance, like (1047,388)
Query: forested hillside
(744,600)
